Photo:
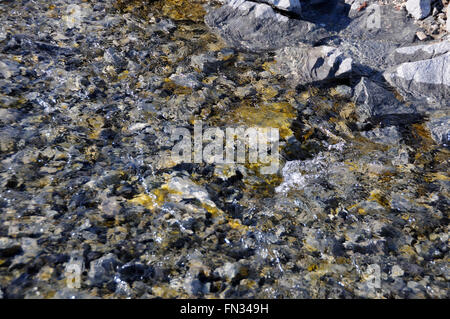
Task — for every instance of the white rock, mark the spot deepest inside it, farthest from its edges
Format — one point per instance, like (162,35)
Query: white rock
(75,15)
(426,79)
(229,271)
(419,9)
(286,5)
(448,19)
(397,271)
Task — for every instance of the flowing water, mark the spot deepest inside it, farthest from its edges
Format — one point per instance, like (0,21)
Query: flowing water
(92,206)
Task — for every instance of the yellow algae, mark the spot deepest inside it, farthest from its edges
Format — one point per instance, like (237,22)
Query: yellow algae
(156,198)
(175,88)
(407,250)
(236,224)
(436,177)
(145,200)
(191,10)
(277,115)
(378,197)
(362,211)
(209,79)
(217,46)
(184,9)
(17,58)
(342,260)
(347,110)
(149,201)
(267,66)
(95,123)
(352,206)
(420,130)
(213,210)
(305,95)
(308,134)
(308,247)
(267,92)
(164,291)
(312,267)
(342,127)
(123,75)
(352,166)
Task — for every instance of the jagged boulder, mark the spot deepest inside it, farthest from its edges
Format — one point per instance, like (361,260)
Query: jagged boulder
(426,77)
(373,100)
(304,65)
(256,26)
(419,9)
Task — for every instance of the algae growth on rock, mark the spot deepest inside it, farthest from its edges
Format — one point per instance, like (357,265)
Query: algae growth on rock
(89,93)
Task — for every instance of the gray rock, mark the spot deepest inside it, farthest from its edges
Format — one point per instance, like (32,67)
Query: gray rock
(115,58)
(367,36)
(189,80)
(285,5)
(9,68)
(448,20)
(229,271)
(9,247)
(103,269)
(8,116)
(67,293)
(384,135)
(344,91)
(303,65)
(257,27)
(205,63)
(440,129)
(166,26)
(373,34)
(245,91)
(420,52)
(372,99)
(425,80)
(195,287)
(8,139)
(419,9)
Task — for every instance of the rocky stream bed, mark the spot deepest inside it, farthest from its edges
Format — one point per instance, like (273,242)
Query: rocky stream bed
(89,91)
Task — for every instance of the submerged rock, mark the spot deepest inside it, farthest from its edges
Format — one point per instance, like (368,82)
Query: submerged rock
(90,193)
(440,129)
(103,269)
(385,135)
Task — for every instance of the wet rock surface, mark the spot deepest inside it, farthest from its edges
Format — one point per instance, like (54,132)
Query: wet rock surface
(92,206)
